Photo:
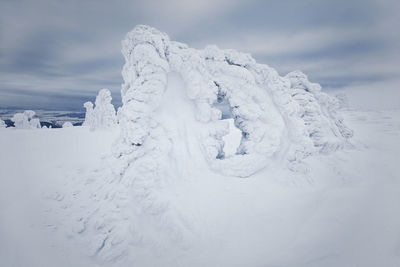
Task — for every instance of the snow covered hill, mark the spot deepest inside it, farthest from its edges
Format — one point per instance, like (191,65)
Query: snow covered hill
(216,161)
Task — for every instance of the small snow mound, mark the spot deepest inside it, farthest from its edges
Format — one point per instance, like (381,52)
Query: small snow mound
(67,124)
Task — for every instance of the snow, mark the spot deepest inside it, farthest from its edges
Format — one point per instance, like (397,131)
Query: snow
(54,118)
(89,116)
(25,120)
(102,116)
(232,139)
(215,160)
(344,212)
(276,114)
(67,124)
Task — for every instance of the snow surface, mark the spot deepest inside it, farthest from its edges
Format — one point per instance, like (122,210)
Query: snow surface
(216,161)
(344,212)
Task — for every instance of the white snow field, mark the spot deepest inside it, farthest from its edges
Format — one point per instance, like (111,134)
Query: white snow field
(216,160)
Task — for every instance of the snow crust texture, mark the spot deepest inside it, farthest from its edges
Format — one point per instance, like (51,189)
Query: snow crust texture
(102,115)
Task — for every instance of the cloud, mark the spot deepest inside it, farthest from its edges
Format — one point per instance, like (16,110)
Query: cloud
(59,51)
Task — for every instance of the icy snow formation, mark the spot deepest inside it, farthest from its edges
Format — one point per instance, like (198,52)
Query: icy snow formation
(102,116)
(275,114)
(89,116)
(172,129)
(318,111)
(25,120)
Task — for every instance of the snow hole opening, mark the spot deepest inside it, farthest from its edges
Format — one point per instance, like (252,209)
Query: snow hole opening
(232,140)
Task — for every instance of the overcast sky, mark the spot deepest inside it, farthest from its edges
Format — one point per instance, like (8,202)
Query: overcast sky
(58,54)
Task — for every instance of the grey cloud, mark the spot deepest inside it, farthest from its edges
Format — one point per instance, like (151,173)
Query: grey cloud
(62,52)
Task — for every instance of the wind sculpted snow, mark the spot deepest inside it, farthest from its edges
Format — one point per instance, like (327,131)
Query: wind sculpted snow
(276,114)
(170,192)
(172,129)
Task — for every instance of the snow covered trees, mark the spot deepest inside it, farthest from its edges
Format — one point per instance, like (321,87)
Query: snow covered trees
(102,116)
(104,112)
(25,120)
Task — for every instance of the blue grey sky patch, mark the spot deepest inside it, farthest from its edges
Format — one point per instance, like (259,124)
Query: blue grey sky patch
(58,54)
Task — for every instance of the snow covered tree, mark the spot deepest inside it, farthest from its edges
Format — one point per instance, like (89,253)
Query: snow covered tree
(104,111)
(266,107)
(89,117)
(25,120)
(102,116)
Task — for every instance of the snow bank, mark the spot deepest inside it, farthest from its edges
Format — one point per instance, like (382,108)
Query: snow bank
(25,120)
(102,116)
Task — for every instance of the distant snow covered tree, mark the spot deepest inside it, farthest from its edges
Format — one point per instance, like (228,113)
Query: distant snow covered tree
(89,114)
(2,124)
(102,116)
(25,120)
(104,111)
(67,124)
